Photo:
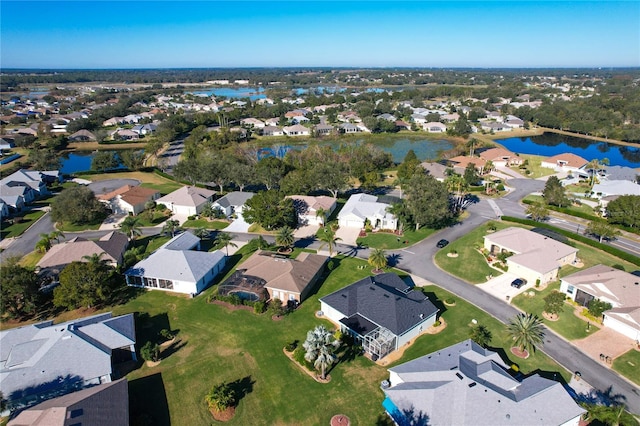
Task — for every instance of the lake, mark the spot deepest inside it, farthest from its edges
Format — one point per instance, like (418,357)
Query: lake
(425,149)
(75,162)
(549,144)
(252,93)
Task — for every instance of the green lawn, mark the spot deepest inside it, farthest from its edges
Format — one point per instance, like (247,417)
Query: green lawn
(215,344)
(163,188)
(568,325)
(591,256)
(17,228)
(470,265)
(629,365)
(534,167)
(389,241)
(203,223)
(583,208)
(71,227)
(459,323)
(158,217)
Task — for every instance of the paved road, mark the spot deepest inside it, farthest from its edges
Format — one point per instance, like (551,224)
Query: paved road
(26,243)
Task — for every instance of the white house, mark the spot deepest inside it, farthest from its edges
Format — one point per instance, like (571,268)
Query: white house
(361,207)
(465,384)
(619,288)
(535,256)
(177,267)
(615,187)
(308,207)
(272,131)
(233,202)
(381,312)
(296,130)
(566,162)
(188,200)
(434,127)
(129,199)
(252,122)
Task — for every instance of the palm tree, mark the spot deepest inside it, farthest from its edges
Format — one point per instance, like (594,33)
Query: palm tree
(458,186)
(44,244)
(223,239)
(285,238)
(329,239)
(319,347)
(131,227)
(95,258)
(55,235)
(481,335)
(527,332)
(594,165)
(322,214)
(378,259)
(171,227)
(201,233)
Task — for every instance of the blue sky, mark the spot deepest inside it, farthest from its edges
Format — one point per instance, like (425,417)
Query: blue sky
(149,34)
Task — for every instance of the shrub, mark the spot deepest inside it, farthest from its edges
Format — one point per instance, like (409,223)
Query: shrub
(150,352)
(298,356)
(192,217)
(597,307)
(538,283)
(450,301)
(500,187)
(221,397)
(259,307)
(166,334)
(276,308)
(292,346)
(437,323)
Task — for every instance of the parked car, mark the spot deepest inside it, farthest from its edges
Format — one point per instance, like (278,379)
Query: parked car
(442,243)
(518,282)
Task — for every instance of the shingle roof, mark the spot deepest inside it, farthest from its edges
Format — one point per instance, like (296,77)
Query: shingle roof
(191,196)
(363,206)
(571,160)
(603,281)
(385,300)
(235,198)
(180,265)
(465,384)
(39,354)
(112,245)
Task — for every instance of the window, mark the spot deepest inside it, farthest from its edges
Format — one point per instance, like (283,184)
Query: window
(150,282)
(570,289)
(168,284)
(76,413)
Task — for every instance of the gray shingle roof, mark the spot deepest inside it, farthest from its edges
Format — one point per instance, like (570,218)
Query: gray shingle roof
(180,265)
(235,198)
(466,384)
(385,300)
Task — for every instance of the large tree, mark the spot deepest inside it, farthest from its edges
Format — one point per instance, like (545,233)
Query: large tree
(625,210)
(427,201)
(554,302)
(270,171)
(537,211)
(554,192)
(271,210)
(602,229)
(84,284)
(104,160)
(77,205)
(378,259)
(19,295)
(527,332)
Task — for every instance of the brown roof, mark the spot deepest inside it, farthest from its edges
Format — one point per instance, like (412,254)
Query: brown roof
(112,245)
(114,193)
(605,282)
(138,195)
(496,154)
(308,203)
(571,160)
(291,275)
(462,161)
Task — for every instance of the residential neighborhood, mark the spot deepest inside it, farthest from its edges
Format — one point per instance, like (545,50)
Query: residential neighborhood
(385,250)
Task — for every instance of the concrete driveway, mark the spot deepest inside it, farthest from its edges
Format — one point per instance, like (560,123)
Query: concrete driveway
(238,225)
(348,235)
(306,231)
(500,287)
(604,341)
(104,186)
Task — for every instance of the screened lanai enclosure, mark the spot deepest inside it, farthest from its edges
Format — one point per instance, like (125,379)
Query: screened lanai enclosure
(376,341)
(246,287)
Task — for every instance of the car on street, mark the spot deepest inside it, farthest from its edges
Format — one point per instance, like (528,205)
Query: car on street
(442,243)
(518,282)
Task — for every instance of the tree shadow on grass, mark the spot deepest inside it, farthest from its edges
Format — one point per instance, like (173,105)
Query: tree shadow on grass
(242,387)
(442,308)
(172,348)
(148,402)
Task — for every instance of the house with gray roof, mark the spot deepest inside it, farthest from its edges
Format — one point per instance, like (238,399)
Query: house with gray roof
(437,170)
(82,135)
(43,360)
(465,384)
(362,207)
(607,188)
(102,405)
(382,312)
(177,266)
(233,202)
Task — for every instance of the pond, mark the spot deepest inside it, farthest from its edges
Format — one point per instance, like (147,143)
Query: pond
(252,93)
(75,162)
(425,149)
(549,144)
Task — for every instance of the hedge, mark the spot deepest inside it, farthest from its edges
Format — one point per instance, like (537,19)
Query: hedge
(585,240)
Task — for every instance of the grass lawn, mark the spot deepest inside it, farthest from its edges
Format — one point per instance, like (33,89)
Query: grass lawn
(585,209)
(70,227)
(148,180)
(534,167)
(386,240)
(470,265)
(458,319)
(203,223)
(568,325)
(629,365)
(17,228)
(216,344)
(591,256)
(31,260)
(158,217)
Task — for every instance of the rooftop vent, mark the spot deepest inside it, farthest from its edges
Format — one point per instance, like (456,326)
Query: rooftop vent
(472,384)
(459,376)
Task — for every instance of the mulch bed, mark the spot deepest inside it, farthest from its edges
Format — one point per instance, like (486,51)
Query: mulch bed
(313,374)
(223,416)
(520,354)
(550,317)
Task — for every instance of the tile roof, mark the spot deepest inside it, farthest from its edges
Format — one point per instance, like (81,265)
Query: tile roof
(385,300)
(112,245)
(191,196)
(309,204)
(571,160)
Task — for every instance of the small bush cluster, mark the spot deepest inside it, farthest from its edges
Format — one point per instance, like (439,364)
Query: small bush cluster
(235,300)
(298,355)
(291,346)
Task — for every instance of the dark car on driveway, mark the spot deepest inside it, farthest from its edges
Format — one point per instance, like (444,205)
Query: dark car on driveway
(442,243)
(518,282)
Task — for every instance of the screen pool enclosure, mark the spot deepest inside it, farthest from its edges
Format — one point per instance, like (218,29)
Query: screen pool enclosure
(246,287)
